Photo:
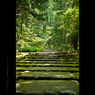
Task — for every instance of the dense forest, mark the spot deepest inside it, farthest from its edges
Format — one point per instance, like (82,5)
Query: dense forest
(47,24)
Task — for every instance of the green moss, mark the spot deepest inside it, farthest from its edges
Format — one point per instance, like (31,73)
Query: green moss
(73,69)
(18,73)
(21,68)
(48,85)
(76,75)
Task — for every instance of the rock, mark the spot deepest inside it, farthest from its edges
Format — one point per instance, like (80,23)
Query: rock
(34,93)
(67,92)
(18,93)
(17,85)
(50,93)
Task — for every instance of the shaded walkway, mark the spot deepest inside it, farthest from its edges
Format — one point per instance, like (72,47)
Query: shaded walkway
(47,73)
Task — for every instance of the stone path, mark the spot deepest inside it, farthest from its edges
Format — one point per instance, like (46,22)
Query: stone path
(47,73)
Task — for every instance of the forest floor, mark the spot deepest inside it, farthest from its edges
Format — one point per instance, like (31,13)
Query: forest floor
(47,73)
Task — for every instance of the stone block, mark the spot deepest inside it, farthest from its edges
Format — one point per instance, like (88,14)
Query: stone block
(68,92)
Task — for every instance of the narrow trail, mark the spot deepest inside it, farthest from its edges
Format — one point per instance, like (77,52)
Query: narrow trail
(47,73)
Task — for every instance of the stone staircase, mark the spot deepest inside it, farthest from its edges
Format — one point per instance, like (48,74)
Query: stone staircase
(47,73)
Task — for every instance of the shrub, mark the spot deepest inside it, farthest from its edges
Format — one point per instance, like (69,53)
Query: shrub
(30,49)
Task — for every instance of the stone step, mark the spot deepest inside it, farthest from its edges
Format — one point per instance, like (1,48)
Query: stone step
(43,53)
(54,68)
(49,69)
(46,76)
(42,56)
(32,61)
(76,75)
(47,65)
(21,68)
(64,92)
(48,62)
(47,87)
(42,60)
(50,53)
(50,57)
(18,73)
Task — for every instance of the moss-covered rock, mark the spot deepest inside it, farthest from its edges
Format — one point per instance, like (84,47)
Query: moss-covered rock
(68,92)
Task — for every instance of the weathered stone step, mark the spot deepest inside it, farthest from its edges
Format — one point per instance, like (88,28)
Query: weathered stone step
(54,68)
(43,78)
(76,75)
(43,53)
(32,61)
(21,68)
(41,56)
(47,62)
(46,76)
(48,87)
(56,60)
(70,60)
(64,92)
(18,73)
(25,63)
(50,53)
(47,65)
(50,57)
(49,69)
(42,60)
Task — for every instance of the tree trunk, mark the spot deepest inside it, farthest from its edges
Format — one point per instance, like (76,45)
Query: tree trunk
(44,27)
(66,41)
(49,42)
(73,4)
(61,37)
(21,26)
(66,44)
(76,42)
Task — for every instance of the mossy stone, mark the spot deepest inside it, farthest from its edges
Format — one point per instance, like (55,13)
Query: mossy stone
(34,93)
(18,93)
(67,92)
(50,93)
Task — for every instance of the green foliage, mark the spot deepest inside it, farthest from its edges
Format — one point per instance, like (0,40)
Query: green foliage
(30,49)
(47,23)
